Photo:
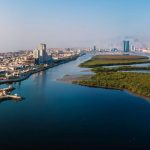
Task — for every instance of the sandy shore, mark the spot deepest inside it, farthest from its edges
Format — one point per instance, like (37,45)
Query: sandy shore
(71,78)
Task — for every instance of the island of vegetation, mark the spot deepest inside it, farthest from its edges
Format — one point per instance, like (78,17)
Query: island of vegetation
(117,77)
(109,60)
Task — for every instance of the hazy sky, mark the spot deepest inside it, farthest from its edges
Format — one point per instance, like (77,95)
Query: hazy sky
(71,23)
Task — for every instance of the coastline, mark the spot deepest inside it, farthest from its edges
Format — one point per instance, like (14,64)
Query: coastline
(72,78)
(27,75)
(75,79)
(114,78)
(117,64)
(113,60)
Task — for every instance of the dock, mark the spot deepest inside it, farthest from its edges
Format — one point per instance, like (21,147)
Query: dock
(5,94)
(13,97)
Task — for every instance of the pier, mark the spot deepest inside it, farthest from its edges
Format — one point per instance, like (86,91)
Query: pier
(5,94)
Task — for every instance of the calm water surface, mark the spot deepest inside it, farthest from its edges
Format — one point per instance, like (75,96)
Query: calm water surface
(57,115)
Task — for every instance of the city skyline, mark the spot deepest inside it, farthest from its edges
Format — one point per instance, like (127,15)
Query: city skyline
(77,23)
(74,74)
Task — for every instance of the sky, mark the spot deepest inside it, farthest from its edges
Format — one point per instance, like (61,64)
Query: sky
(72,23)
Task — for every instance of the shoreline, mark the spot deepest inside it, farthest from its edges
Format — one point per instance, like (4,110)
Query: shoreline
(114,78)
(119,89)
(117,64)
(27,75)
(72,78)
(77,78)
(113,60)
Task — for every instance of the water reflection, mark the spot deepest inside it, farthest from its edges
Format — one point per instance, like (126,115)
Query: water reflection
(138,65)
(40,78)
(57,114)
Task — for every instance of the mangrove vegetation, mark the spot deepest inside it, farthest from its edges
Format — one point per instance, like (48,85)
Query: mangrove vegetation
(109,60)
(116,78)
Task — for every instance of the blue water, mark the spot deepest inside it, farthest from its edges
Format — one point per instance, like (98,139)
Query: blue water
(137,65)
(58,115)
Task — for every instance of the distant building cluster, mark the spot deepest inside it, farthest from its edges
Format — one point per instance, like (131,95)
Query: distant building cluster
(127,47)
(63,53)
(19,64)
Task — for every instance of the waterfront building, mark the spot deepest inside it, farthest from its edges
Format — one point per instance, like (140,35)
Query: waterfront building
(40,54)
(126,46)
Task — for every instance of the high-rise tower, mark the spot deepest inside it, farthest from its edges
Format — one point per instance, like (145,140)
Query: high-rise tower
(40,54)
(126,46)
